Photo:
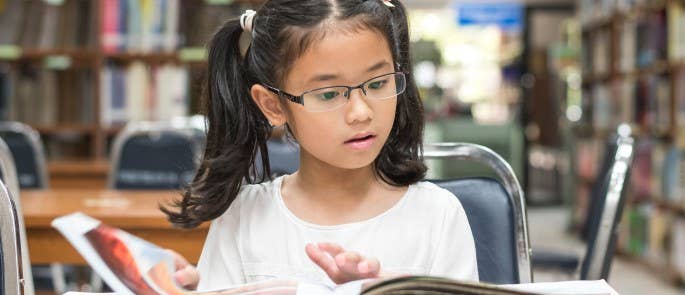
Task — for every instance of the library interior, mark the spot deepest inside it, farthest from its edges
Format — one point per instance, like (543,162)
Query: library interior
(573,107)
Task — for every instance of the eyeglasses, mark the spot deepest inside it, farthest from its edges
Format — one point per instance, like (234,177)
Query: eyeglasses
(330,98)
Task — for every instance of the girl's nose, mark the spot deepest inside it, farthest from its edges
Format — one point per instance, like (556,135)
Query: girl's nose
(358,109)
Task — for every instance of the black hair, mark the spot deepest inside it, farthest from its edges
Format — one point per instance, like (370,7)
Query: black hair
(282,31)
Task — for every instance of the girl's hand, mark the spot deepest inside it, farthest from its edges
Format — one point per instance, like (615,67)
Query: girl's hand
(185,273)
(340,265)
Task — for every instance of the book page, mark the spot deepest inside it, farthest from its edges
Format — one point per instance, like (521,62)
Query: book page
(568,287)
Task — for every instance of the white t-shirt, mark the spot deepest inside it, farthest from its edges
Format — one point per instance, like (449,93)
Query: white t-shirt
(425,233)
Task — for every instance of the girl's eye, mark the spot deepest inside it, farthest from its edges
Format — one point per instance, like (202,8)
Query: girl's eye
(329,95)
(377,84)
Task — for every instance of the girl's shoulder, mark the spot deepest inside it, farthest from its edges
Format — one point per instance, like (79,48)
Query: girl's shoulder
(253,196)
(433,195)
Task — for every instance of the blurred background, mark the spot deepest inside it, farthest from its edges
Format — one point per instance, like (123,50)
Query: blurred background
(544,83)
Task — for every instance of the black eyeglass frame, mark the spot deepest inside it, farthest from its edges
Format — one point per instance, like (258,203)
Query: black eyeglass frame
(300,99)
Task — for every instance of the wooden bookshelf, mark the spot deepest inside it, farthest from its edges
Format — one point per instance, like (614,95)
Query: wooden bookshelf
(152,58)
(647,81)
(76,131)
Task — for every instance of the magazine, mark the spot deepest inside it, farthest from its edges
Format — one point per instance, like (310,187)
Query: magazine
(130,265)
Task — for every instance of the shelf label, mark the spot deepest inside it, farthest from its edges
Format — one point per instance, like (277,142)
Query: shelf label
(193,54)
(10,52)
(57,62)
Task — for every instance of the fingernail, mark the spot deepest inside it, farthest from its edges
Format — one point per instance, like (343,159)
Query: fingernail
(363,267)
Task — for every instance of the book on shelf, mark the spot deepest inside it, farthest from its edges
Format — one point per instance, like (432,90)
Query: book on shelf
(678,246)
(626,100)
(625,6)
(151,26)
(586,55)
(653,103)
(130,265)
(140,26)
(657,235)
(641,174)
(638,219)
(592,11)
(679,103)
(601,53)
(41,24)
(588,155)
(603,107)
(661,96)
(46,97)
(10,18)
(651,35)
(628,47)
(674,176)
(200,19)
(587,160)
(140,92)
(659,150)
(676,30)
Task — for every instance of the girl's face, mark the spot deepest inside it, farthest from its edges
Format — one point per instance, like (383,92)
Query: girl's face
(352,135)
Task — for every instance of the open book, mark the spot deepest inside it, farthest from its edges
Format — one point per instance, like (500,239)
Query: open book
(130,265)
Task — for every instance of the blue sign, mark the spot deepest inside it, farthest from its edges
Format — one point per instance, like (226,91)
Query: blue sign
(506,15)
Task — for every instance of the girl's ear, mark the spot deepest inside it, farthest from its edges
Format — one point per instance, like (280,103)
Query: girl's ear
(270,105)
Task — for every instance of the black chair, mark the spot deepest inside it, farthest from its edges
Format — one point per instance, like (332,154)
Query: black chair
(28,154)
(284,157)
(496,212)
(16,265)
(608,198)
(154,155)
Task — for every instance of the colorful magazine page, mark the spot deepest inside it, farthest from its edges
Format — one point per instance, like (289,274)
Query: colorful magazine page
(130,265)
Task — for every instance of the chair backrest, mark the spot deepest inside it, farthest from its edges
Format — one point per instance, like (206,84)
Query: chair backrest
(28,154)
(10,250)
(15,254)
(154,155)
(284,157)
(609,198)
(496,213)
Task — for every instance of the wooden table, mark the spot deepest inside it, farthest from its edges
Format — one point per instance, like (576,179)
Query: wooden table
(136,212)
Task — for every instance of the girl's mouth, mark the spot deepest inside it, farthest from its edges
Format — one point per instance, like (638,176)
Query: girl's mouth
(362,142)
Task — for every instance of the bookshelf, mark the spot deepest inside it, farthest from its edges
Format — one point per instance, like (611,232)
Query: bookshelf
(78,70)
(633,71)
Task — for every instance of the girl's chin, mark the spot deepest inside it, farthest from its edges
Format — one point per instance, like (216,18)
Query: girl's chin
(354,163)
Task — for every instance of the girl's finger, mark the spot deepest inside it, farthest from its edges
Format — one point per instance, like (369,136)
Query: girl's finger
(323,260)
(179,261)
(187,277)
(331,248)
(347,262)
(369,268)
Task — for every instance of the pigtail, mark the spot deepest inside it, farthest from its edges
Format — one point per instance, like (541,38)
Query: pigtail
(400,161)
(236,130)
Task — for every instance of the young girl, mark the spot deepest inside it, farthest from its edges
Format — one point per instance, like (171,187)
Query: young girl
(337,75)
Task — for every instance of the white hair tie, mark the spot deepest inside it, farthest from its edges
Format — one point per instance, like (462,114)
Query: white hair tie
(388,3)
(247,19)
